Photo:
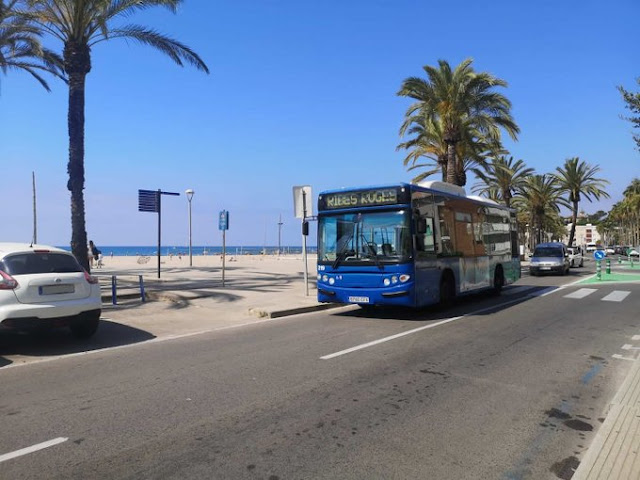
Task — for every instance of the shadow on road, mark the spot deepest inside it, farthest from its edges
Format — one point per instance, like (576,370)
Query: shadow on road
(59,341)
(476,304)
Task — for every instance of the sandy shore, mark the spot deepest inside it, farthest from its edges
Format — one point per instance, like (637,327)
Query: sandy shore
(148,265)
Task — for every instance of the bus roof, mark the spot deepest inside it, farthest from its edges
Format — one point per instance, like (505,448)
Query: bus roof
(430,186)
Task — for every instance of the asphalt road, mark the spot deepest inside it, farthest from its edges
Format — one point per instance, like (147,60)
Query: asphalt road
(509,387)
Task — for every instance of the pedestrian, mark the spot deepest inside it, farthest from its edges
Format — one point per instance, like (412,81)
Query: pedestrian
(94,252)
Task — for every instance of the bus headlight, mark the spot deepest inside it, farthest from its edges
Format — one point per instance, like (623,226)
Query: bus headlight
(405,278)
(386,282)
(319,277)
(325,278)
(394,279)
(332,281)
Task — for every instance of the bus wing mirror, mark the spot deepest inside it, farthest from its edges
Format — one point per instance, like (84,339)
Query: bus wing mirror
(421,226)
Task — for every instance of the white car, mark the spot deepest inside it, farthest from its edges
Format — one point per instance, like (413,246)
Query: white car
(575,257)
(43,287)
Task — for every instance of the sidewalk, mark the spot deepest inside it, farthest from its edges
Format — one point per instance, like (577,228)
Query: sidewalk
(187,299)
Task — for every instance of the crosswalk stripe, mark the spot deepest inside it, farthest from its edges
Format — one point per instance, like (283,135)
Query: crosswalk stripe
(616,296)
(581,293)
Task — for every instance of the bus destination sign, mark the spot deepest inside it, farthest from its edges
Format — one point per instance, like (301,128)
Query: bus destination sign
(364,198)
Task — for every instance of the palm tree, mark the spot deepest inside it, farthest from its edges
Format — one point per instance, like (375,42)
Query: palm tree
(79,25)
(503,177)
(462,101)
(20,47)
(578,180)
(540,201)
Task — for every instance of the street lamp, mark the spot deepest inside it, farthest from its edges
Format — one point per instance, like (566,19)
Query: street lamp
(189,193)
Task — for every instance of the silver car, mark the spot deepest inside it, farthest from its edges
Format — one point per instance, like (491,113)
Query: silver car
(43,287)
(549,257)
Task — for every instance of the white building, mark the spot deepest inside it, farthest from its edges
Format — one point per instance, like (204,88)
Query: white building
(584,234)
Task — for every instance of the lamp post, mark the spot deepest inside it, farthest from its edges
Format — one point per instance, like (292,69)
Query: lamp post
(189,193)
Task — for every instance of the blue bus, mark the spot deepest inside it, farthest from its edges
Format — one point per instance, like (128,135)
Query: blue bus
(412,245)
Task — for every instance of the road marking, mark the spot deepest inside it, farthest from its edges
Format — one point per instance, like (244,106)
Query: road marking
(620,357)
(31,449)
(616,296)
(629,347)
(386,339)
(581,293)
(437,324)
(635,338)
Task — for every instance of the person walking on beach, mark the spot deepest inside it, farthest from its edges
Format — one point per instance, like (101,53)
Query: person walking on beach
(94,253)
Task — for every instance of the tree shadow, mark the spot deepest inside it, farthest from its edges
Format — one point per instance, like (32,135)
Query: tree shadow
(59,341)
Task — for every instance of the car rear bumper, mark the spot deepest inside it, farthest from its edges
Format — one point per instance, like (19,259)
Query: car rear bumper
(10,313)
(552,269)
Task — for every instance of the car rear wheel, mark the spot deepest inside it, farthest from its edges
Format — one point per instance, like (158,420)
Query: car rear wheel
(86,325)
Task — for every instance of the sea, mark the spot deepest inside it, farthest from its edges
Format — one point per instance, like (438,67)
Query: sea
(148,251)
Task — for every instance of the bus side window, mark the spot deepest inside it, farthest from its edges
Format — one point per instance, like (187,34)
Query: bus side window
(425,241)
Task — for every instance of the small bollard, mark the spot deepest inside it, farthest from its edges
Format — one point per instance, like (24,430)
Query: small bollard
(114,290)
(619,260)
(608,267)
(598,270)
(142,295)
(631,260)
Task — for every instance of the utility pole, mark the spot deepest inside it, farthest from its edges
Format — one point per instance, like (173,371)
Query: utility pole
(35,221)
(279,234)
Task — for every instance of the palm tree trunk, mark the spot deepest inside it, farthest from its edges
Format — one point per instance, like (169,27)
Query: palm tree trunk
(574,219)
(451,163)
(77,64)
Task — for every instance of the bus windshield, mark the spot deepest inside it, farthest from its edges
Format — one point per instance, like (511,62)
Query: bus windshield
(365,238)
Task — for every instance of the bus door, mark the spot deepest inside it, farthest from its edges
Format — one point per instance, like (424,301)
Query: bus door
(427,273)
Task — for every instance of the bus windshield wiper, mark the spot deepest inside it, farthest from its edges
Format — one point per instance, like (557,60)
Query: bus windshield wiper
(371,252)
(343,252)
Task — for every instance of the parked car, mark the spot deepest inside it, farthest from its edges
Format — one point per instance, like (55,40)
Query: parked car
(551,257)
(43,287)
(575,257)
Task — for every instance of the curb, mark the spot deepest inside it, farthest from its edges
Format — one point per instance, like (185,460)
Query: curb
(262,313)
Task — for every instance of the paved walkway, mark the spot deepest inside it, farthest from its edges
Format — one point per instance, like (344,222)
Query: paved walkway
(269,288)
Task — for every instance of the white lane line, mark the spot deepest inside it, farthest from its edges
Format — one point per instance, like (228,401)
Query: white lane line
(629,347)
(386,339)
(581,293)
(437,324)
(620,357)
(616,296)
(635,338)
(31,449)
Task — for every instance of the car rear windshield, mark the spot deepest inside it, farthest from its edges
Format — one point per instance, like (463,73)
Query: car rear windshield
(547,252)
(34,263)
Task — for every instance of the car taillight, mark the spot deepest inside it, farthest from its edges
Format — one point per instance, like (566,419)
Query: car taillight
(7,282)
(90,278)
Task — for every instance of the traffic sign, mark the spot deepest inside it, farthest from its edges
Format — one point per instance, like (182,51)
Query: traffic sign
(223,220)
(599,254)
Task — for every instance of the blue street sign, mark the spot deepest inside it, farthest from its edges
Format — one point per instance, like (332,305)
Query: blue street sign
(598,254)
(148,201)
(223,220)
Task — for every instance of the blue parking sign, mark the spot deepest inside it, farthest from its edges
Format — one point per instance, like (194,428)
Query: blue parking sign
(223,220)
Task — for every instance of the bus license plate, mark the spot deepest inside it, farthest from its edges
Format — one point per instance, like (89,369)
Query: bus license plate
(359,299)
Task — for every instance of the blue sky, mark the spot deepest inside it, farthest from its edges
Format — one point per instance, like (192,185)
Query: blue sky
(304,93)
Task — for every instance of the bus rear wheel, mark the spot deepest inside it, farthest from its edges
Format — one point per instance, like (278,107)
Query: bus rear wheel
(498,280)
(447,291)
